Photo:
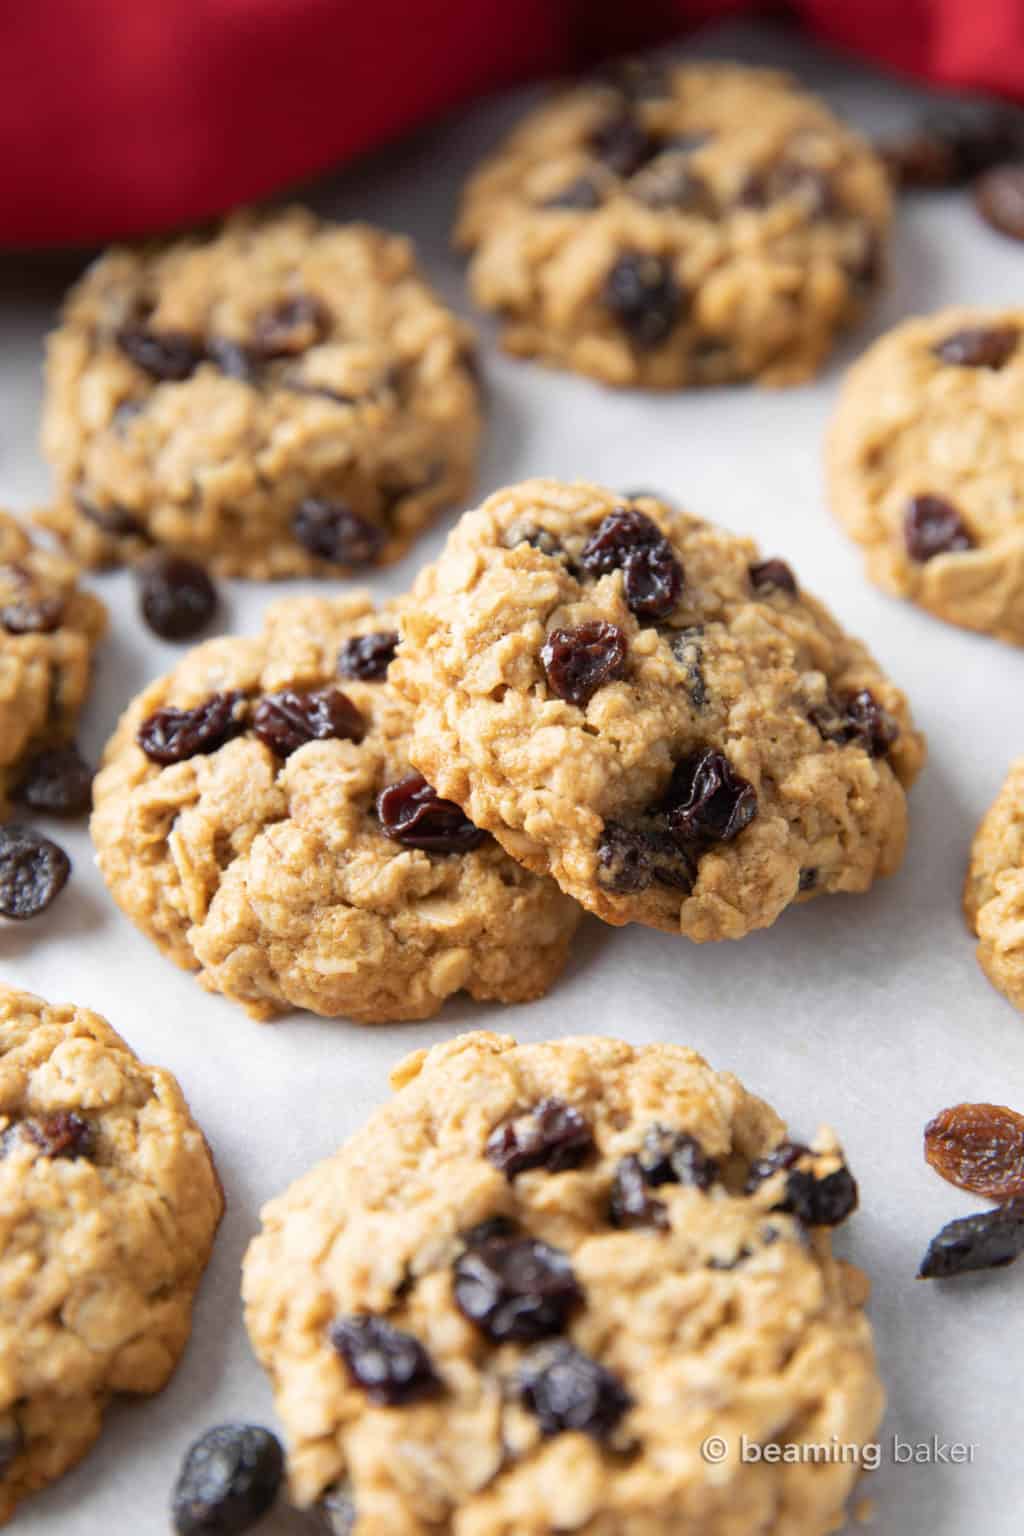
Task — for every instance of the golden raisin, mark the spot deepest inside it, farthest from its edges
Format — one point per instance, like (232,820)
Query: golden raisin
(978,1147)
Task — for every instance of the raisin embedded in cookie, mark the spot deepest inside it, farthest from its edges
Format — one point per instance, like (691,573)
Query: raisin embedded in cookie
(722,226)
(994,888)
(259,819)
(635,702)
(925,467)
(284,397)
(49,631)
(460,1343)
(109,1203)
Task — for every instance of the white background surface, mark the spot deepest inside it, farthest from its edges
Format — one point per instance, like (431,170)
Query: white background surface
(868,1012)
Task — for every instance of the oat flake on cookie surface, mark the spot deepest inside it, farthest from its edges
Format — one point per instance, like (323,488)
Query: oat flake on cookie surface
(282,397)
(109,1203)
(271,835)
(926,465)
(638,703)
(678,224)
(522,1297)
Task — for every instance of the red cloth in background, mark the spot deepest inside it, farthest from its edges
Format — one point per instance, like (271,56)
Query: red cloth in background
(125,116)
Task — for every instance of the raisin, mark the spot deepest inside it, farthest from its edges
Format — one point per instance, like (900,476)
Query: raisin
(286,721)
(978,1147)
(177,598)
(669,183)
(773,575)
(167,356)
(919,160)
(999,198)
(63,1134)
(172,735)
(857,719)
(33,872)
(675,1157)
(582,194)
(57,782)
(642,293)
(367,657)
(817,1202)
(567,1390)
(537,538)
(515,1288)
(630,541)
(32,616)
(413,814)
(577,662)
(631,1203)
(552,1135)
(12,1441)
(933,526)
(707,801)
(977,137)
(229,1479)
(622,144)
(989,1240)
(784,1156)
(687,649)
(392,1367)
(330,530)
(291,327)
(233,358)
(116,521)
(790,179)
(979,348)
(633,858)
(807,879)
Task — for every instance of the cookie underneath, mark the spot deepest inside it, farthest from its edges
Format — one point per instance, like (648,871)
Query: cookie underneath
(525,1294)
(994,888)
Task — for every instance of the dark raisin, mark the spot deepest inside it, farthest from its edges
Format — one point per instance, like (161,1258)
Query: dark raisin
(707,801)
(789,179)
(286,721)
(685,143)
(491,1226)
(57,782)
(820,1202)
(807,879)
(233,358)
(687,649)
(413,814)
(567,1390)
(291,327)
(33,872)
(857,719)
(552,1135)
(920,160)
(979,348)
(669,183)
(783,1157)
(933,526)
(330,530)
(675,1157)
(642,293)
(773,575)
(577,662)
(63,1134)
(622,144)
(367,657)
(633,858)
(168,356)
(980,1148)
(630,541)
(988,1240)
(177,598)
(999,198)
(116,521)
(32,616)
(537,538)
(631,1203)
(583,194)
(229,1479)
(515,1288)
(12,1441)
(392,1367)
(172,735)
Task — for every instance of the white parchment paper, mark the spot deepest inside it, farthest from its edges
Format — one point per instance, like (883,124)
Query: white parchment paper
(867,1012)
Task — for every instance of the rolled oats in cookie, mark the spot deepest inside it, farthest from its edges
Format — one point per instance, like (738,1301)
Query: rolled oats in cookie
(718,225)
(49,631)
(463,1347)
(994,888)
(109,1203)
(926,470)
(282,397)
(258,818)
(633,701)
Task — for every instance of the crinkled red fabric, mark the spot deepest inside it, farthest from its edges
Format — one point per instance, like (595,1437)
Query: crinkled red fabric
(125,116)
